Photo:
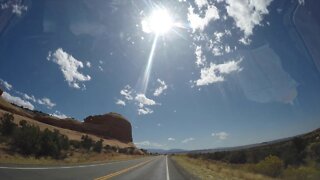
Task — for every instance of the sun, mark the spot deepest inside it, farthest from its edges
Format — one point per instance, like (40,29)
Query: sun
(159,22)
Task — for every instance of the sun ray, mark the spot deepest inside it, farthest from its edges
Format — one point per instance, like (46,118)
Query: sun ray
(147,71)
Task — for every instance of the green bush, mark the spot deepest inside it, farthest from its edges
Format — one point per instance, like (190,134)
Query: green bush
(86,142)
(270,166)
(7,125)
(27,140)
(98,146)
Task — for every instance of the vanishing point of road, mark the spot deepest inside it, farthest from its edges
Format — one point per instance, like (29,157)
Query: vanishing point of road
(153,168)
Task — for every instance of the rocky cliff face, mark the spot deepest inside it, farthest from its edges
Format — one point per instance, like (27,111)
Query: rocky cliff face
(110,125)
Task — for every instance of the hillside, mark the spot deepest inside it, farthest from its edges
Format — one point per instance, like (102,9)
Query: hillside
(115,130)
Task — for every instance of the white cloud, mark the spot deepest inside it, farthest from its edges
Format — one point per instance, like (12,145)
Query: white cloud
(188,140)
(121,102)
(159,124)
(6,84)
(18,9)
(143,100)
(201,3)
(17,100)
(29,97)
(88,64)
(220,135)
(197,22)
(47,102)
(59,115)
(163,86)
(69,67)
(100,62)
(171,139)
(215,73)
(144,111)
(100,68)
(127,92)
(148,144)
(200,58)
(247,13)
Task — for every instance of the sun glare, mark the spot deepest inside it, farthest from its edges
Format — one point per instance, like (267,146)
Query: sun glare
(159,22)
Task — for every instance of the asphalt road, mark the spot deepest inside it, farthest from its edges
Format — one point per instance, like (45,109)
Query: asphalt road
(154,168)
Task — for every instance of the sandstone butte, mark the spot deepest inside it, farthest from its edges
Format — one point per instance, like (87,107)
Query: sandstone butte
(107,126)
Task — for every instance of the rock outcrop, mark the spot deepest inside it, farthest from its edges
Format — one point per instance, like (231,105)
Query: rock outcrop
(110,125)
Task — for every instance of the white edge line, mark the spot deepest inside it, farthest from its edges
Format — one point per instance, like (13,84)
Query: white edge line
(61,167)
(168,177)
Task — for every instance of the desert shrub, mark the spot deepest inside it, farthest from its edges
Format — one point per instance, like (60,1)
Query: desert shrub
(23,123)
(86,142)
(52,143)
(97,147)
(314,151)
(7,125)
(27,139)
(301,173)
(74,143)
(270,166)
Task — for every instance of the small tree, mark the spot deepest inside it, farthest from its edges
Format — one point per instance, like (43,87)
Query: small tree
(7,125)
(86,142)
(98,146)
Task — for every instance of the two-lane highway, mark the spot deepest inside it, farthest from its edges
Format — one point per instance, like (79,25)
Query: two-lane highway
(155,168)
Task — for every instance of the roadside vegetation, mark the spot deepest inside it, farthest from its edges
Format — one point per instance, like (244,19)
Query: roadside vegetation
(298,158)
(26,141)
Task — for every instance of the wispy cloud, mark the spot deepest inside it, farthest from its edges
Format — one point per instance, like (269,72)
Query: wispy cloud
(69,67)
(59,115)
(163,86)
(47,102)
(148,144)
(171,139)
(121,102)
(220,135)
(144,111)
(17,9)
(127,92)
(216,72)
(188,140)
(88,64)
(6,84)
(17,100)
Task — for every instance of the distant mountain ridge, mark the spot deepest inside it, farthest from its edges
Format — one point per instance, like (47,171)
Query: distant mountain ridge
(235,148)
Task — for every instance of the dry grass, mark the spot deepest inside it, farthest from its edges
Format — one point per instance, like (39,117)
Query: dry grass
(74,157)
(205,169)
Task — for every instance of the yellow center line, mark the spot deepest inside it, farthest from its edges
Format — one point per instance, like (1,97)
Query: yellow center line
(123,170)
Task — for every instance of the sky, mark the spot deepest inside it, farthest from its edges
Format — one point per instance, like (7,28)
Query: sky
(186,74)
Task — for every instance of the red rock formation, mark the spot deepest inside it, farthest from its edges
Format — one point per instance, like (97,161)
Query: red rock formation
(110,125)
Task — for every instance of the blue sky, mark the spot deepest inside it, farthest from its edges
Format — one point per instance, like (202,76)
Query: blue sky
(225,73)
